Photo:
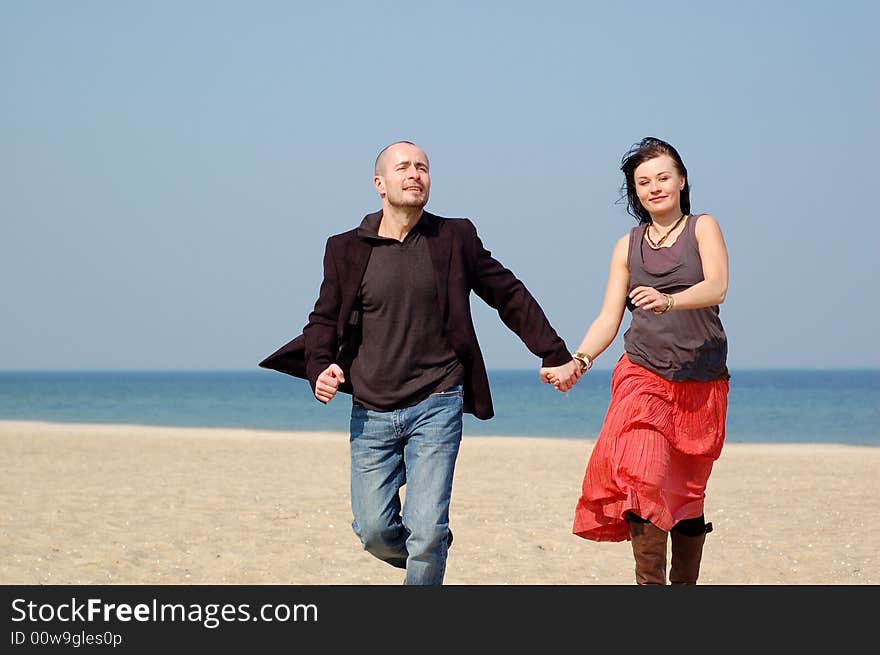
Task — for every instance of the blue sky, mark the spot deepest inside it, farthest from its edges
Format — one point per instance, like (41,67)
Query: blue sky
(170,171)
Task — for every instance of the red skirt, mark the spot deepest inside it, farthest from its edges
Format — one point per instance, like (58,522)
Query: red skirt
(654,454)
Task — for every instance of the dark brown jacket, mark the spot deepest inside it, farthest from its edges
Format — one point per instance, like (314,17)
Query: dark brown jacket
(461,265)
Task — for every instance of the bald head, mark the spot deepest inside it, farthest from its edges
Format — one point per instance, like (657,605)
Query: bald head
(384,156)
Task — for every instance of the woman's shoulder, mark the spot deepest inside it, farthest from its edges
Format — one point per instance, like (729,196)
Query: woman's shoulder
(626,239)
(622,246)
(635,232)
(703,218)
(705,224)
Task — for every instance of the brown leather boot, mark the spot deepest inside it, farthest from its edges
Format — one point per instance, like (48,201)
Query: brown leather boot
(687,553)
(649,550)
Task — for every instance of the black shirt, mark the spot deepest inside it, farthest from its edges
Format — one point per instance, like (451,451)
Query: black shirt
(404,355)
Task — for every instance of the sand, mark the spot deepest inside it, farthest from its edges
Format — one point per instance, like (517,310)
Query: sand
(114,504)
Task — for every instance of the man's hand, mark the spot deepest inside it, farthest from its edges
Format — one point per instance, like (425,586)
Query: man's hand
(562,377)
(328,383)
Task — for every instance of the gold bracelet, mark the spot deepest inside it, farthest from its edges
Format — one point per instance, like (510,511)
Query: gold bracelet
(670,301)
(585,360)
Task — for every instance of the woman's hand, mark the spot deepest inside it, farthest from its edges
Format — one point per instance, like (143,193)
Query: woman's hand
(562,377)
(650,298)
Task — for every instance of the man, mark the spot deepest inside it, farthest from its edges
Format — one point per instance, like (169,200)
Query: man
(392,326)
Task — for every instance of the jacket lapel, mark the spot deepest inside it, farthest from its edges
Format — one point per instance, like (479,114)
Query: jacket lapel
(355,258)
(440,255)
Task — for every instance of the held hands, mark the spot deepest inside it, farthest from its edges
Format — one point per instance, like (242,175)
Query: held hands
(328,383)
(562,377)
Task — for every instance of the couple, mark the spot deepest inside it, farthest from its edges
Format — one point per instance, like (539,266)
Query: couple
(392,326)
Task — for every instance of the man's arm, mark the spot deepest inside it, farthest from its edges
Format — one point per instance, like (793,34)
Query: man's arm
(518,309)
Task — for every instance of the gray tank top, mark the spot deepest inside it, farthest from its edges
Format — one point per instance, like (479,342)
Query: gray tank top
(689,344)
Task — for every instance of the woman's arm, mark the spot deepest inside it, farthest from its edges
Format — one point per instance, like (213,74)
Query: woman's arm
(605,326)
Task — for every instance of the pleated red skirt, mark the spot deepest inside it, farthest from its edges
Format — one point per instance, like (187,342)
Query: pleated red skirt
(654,453)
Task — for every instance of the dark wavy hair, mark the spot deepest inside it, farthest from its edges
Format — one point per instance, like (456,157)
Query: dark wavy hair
(640,152)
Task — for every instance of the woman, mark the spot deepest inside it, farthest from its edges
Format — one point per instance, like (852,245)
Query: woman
(665,424)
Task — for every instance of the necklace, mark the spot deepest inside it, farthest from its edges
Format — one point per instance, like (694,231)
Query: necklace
(664,237)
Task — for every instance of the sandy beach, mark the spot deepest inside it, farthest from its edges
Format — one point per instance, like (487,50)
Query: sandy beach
(112,504)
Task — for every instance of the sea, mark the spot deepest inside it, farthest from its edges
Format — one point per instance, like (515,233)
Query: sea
(764,406)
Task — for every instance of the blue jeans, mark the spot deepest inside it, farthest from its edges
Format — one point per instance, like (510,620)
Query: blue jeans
(415,446)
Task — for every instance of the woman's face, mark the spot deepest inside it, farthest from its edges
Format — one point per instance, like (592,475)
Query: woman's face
(659,185)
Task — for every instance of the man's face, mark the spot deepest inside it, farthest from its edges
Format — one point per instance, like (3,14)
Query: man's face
(403,180)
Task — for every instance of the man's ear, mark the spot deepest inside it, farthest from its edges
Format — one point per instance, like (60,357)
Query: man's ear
(379,184)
